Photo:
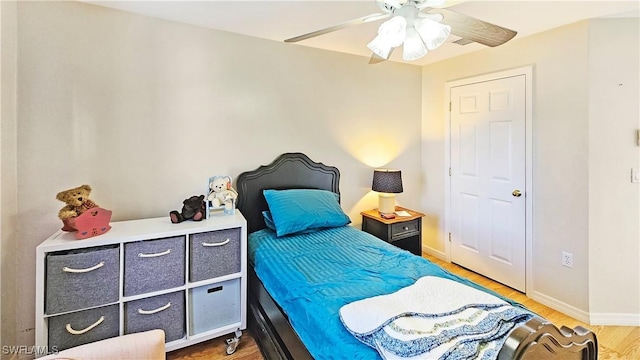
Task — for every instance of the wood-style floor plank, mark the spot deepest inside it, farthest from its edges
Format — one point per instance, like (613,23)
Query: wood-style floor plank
(614,342)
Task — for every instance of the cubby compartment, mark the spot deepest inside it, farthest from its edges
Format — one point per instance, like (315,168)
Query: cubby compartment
(83,327)
(214,306)
(82,278)
(164,312)
(153,265)
(221,248)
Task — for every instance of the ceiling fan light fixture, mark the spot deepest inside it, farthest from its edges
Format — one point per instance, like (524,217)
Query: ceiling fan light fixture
(413,48)
(432,33)
(432,3)
(391,33)
(380,47)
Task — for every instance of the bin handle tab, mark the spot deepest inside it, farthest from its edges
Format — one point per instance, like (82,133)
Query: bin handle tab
(149,312)
(217,244)
(85,330)
(98,266)
(154,255)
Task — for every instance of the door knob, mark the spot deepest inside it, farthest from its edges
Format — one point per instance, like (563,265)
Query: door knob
(516,193)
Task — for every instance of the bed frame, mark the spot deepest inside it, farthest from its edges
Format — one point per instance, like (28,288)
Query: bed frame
(536,339)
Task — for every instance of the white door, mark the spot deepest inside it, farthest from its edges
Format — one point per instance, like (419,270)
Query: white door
(488,163)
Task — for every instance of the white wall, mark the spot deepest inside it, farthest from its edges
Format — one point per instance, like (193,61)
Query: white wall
(562,168)
(8,185)
(614,202)
(145,110)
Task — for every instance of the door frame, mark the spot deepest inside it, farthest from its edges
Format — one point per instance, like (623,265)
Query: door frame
(527,71)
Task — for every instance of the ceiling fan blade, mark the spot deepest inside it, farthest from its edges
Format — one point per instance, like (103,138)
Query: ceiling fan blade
(473,29)
(375,58)
(358,21)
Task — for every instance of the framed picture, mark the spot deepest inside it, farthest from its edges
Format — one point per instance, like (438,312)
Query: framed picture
(221,196)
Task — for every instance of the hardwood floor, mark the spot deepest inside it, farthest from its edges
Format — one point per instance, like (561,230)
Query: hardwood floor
(614,342)
(216,349)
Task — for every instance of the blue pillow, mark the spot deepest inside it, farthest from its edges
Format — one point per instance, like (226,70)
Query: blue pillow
(298,210)
(268,220)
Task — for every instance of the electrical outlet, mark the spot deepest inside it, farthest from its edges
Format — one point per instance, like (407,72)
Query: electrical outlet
(567,259)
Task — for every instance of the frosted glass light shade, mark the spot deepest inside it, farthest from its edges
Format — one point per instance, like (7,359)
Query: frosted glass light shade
(432,33)
(413,47)
(380,47)
(391,33)
(431,3)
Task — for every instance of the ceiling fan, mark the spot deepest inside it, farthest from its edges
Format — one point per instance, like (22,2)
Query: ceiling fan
(420,26)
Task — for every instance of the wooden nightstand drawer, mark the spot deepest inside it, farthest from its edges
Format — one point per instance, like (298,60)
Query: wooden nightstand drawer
(405,229)
(401,231)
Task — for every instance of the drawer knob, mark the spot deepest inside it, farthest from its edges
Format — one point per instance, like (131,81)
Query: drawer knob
(406,228)
(217,244)
(88,328)
(98,266)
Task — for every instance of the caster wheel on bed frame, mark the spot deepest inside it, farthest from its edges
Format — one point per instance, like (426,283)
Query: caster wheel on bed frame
(232,343)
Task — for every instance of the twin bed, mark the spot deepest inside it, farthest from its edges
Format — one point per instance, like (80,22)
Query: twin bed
(321,289)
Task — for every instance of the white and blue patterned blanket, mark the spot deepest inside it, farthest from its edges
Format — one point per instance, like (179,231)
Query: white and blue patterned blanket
(435,318)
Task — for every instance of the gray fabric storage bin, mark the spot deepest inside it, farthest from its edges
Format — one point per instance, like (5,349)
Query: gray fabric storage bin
(213,306)
(214,254)
(75,279)
(164,312)
(60,338)
(153,265)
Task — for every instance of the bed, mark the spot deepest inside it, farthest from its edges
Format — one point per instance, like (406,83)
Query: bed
(307,320)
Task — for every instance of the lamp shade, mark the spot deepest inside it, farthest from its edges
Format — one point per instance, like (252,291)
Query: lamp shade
(387,181)
(413,48)
(432,32)
(391,34)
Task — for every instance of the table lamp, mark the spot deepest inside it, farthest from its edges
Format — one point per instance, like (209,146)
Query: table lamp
(387,183)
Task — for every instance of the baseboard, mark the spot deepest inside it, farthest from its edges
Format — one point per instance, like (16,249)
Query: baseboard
(607,319)
(435,253)
(560,306)
(614,319)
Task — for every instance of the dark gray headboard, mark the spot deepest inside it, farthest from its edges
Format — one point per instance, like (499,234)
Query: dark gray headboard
(288,171)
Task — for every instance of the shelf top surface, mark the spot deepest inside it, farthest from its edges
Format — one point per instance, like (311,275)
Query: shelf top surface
(375,214)
(143,229)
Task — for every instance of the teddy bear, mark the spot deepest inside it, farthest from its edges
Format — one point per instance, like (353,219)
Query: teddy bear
(221,192)
(192,209)
(77,200)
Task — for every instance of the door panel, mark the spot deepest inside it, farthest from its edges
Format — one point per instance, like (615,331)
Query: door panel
(469,222)
(487,165)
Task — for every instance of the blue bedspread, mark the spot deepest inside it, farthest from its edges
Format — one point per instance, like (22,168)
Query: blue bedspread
(311,276)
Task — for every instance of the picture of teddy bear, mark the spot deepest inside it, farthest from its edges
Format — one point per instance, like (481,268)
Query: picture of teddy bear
(77,200)
(221,192)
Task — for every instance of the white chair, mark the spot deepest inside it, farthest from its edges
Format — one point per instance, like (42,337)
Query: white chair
(148,345)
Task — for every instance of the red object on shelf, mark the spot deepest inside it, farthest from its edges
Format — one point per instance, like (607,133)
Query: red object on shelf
(92,222)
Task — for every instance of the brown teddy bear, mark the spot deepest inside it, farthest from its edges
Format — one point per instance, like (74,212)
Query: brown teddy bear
(77,200)
(192,208)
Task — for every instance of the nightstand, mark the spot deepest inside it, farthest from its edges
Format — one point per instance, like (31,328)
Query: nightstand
(404,232)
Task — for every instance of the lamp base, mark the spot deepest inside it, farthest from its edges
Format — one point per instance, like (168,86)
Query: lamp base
(386,203)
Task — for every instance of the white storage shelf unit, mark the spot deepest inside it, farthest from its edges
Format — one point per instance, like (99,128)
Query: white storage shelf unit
(188,278)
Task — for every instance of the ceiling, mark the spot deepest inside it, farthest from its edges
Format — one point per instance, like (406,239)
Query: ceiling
(279,20)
